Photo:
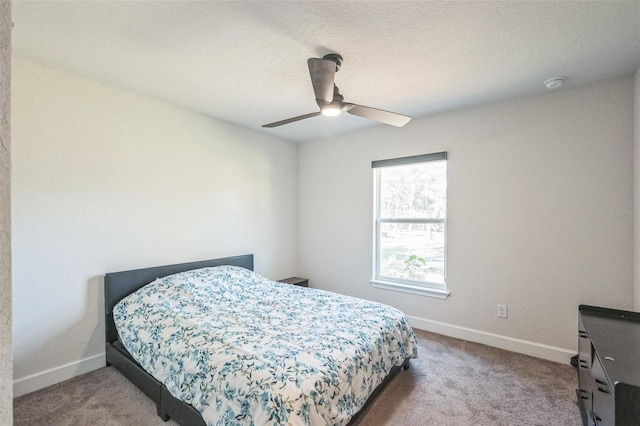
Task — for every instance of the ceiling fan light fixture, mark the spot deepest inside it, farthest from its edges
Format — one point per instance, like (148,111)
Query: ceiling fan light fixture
(331,111)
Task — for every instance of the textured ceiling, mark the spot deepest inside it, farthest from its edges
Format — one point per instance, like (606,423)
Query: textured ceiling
(245,62)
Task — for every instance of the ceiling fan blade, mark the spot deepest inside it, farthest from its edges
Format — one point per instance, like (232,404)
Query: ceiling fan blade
(292,120)
(380,115)
(323,72)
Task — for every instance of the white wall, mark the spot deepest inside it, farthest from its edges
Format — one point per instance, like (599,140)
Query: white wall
(636,168)
(6,382)
(535,189)
(105,180)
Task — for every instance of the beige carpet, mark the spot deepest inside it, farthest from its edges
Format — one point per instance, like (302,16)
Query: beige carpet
(453,382)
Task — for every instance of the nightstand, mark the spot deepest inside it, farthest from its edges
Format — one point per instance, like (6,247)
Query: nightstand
(302,282)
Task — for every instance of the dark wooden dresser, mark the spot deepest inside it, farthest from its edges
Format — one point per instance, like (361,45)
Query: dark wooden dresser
(608,366)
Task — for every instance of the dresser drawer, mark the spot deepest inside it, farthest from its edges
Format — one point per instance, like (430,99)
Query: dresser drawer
(603,411)
(585,349)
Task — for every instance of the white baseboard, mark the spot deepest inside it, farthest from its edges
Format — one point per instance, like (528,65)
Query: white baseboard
(526,347)
(68,371)
(55,375)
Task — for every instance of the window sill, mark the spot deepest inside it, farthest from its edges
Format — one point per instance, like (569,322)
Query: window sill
(413,289)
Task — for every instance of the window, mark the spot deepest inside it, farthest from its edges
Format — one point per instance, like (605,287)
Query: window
(410,224)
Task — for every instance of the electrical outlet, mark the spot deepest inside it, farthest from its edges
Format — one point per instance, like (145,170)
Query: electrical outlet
(502,311)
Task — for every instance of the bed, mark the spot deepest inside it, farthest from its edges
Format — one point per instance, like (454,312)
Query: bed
(285,352)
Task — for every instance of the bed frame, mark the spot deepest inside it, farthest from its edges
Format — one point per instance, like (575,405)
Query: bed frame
(118,285)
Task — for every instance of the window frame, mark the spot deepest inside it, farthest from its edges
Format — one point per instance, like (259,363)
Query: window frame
(424,288)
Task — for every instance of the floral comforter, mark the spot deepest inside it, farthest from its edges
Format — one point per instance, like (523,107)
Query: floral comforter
(243,349)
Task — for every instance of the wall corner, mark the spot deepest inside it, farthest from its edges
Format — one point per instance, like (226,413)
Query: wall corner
(6,366)
(636,191)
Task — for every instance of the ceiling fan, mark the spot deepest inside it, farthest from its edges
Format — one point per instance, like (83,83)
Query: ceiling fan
(331,102)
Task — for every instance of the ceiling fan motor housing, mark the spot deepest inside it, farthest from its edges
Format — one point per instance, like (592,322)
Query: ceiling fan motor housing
(335,57)
(337,97)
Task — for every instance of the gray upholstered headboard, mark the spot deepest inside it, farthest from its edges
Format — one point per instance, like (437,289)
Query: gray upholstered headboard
(118,285)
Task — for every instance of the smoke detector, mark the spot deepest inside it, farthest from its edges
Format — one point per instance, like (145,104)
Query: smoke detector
(554,83)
